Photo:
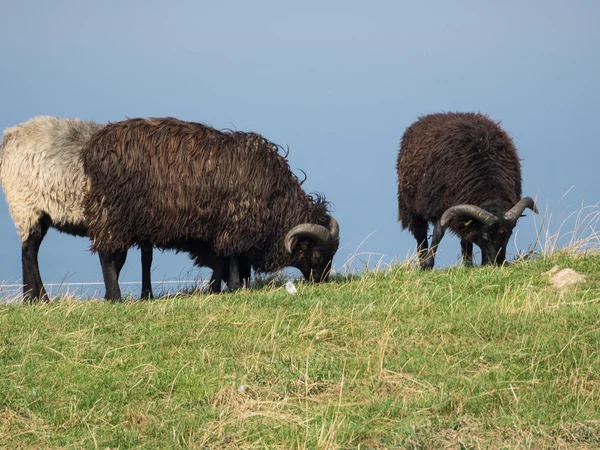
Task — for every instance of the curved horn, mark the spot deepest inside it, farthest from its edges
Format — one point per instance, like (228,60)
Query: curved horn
(515,212)
(311,230)
(334,228)
(475,212)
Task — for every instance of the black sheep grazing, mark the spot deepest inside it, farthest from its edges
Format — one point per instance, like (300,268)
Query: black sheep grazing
(174,184)
(462,171)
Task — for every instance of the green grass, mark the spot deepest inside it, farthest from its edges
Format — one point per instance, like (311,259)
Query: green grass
(456,358)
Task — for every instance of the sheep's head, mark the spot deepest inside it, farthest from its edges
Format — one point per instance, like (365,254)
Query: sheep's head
(313,248)
(488,226)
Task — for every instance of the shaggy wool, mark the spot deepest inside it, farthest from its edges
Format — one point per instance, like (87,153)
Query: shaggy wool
(41,171)
(449,159)
(169,183)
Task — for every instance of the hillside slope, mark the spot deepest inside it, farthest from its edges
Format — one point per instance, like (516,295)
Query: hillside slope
(476,357)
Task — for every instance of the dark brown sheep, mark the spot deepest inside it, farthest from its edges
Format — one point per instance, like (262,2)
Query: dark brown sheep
(174,184)
(462,171)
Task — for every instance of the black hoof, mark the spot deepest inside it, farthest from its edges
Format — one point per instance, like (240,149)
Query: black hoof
(427,264)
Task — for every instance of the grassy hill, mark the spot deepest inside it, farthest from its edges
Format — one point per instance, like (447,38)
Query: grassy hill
(457,358)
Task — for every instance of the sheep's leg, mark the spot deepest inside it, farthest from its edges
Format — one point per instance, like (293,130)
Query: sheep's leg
(214,286)
(234,274)
(33,287)
(120,258)
(108,261)
(438,234)
(146,269)
(419,230)
(467,252)
(245,271)
(28,282)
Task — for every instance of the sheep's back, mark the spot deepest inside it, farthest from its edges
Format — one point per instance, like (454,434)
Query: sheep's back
(455,158)
(41,170)
(161,181)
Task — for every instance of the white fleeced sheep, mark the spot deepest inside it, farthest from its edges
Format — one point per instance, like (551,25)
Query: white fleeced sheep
(42,177)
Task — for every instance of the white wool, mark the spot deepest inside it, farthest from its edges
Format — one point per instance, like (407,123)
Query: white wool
(41,171)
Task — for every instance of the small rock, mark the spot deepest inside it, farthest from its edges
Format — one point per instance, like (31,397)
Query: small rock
(242,389)
(564,278)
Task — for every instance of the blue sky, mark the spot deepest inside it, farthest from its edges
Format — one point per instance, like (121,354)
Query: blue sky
(337,81)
